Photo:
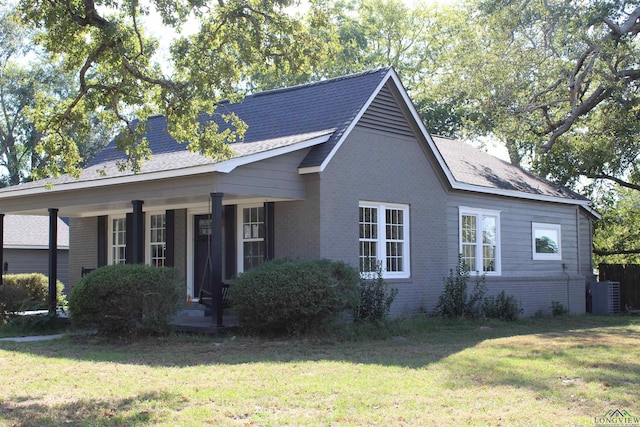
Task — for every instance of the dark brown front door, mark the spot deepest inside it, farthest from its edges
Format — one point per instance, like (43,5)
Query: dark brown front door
(202,257)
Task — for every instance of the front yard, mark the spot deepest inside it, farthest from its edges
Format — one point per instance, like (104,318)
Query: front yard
(552,371)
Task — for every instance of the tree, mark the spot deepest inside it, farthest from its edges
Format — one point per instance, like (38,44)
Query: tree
(15,95)
(104,44)
(366,34)
(617,234)
(556,82)
(23,78)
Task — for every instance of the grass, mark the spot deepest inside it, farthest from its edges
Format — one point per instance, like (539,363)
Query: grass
(552,371)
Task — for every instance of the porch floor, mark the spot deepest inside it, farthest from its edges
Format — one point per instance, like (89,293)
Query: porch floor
(194,319)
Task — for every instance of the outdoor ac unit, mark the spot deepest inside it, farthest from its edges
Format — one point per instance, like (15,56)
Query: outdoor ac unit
(605,297)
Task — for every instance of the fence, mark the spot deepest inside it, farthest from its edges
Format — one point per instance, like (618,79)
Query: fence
(629,277)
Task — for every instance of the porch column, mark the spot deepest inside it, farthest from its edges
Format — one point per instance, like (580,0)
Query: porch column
(215,249)
(103,229)
(269,245)
(53,260)
(1,248)
(137,228)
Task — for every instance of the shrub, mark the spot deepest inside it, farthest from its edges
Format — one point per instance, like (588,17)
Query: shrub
(502,306)
(287,296)
(375,298)
(126,300)
(12,301)
(558,309)
(454,300)
(37,287)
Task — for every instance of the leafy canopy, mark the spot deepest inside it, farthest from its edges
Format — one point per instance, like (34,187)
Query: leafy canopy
(112,56)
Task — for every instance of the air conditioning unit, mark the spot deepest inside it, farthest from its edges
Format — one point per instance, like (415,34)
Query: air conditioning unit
(605,297)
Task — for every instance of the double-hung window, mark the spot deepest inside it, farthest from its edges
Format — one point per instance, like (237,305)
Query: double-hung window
(384,239)
(251,247)
(118,240)
(157,240)
(480,240)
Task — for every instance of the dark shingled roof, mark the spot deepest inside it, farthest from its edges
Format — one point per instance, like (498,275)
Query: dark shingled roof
(26,231)
(316,115)
(278,116)
(472,166)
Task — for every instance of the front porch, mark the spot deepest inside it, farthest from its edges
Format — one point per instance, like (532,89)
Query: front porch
(196,319)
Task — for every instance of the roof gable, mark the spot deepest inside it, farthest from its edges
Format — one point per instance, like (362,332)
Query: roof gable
(321,107)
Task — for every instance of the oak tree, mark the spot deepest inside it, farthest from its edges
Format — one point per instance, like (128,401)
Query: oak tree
(112,55)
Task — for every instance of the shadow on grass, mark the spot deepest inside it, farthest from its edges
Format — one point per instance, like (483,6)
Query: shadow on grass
(413,343)
(27,411)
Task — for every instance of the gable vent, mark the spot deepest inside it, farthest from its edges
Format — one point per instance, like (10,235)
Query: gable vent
(385,115)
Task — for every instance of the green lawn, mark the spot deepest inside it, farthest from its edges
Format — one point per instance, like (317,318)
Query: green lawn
(554,371)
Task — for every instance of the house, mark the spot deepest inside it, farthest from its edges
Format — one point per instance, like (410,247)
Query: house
(26,246)
(341,169)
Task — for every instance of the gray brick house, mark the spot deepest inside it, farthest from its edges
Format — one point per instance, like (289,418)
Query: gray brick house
(341,169)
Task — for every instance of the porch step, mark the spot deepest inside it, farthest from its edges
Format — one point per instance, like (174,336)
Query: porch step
(193,310)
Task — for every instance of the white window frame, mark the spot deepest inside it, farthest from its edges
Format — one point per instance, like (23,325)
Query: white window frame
(147,236)
(111,245)
(240,235)
(555,228)
(148,243)
(381,241)
(480,214)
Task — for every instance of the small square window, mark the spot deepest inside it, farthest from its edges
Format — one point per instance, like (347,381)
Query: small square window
(546,241)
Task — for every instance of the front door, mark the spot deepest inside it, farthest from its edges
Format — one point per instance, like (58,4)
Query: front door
(202,257)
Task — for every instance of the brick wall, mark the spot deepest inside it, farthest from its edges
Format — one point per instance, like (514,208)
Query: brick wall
(83,246)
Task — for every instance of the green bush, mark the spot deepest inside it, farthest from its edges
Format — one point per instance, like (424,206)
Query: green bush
(37,287)
(126,300)
(502,306)
(12,301)
(287,296)
(454,300)
(375,299)
(558,309)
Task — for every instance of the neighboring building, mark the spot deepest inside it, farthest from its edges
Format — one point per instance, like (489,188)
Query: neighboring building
(26,246)
(341,169)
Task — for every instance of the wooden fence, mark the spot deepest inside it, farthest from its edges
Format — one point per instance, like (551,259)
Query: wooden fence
(629,277)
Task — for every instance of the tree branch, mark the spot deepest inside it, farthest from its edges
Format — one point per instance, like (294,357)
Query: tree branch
(91,16)
(630,26)
(561,127)
(617,181)
(167,84)
(607,252)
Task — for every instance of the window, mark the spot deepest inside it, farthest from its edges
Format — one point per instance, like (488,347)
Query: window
(155,235)
(546,241)
(384,238)
(251,249)
(157,240)
(480,240)
(118,240)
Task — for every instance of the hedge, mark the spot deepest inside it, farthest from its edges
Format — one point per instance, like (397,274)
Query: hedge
(30,291)
(126,300)
(286,296)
